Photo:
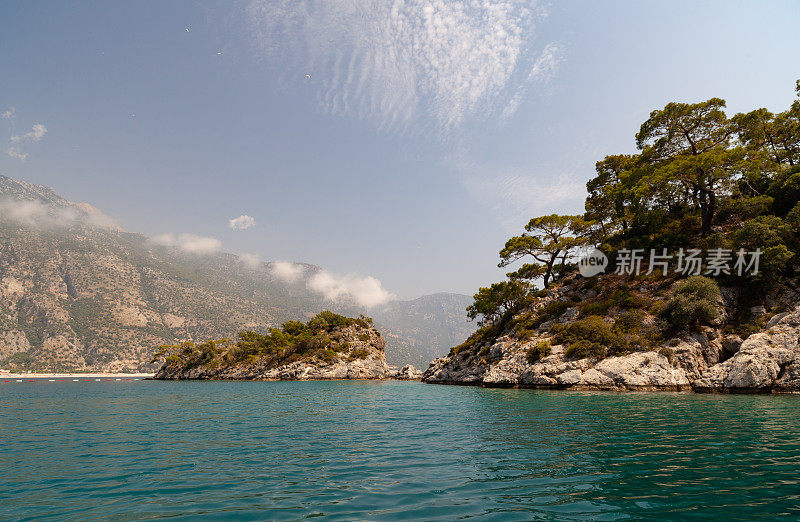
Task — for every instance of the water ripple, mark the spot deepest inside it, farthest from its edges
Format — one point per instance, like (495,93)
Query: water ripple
(391,450)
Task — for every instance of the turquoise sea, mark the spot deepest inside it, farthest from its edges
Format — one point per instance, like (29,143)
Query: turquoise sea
(390,450)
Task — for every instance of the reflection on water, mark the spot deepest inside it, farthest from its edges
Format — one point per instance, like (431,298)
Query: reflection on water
(391,450)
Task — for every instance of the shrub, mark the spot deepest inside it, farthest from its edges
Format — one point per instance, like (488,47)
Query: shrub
(667,352)
(597,307)
(694,303)
(359,354)
(590,337)
(556,327)
(627,300)
(363,321)
(327,355)
(552,310)
(317,323)
(294,327)
(592,329)
(583,349)
(538,351)
(630,322)
(555,309)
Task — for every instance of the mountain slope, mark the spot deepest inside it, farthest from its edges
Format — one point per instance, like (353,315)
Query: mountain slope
(77,291)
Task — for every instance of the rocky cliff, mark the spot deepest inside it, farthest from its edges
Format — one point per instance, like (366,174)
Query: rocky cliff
(712,358)
(77,292)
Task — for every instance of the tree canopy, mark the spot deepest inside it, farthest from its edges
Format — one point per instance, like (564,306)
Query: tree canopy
(700,179)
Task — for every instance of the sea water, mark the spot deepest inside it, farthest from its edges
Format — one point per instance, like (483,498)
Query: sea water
(390,450)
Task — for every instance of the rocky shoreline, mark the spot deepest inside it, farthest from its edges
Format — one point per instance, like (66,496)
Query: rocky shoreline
(706,362)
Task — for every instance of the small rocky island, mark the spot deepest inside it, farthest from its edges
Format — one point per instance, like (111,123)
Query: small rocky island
(329,346)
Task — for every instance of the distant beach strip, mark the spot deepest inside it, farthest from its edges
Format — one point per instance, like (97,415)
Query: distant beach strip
(10,378)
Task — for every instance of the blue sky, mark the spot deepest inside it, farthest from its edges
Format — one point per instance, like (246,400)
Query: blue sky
(400,140)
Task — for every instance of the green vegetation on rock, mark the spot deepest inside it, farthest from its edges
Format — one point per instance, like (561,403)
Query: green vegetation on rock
(321,339)
(700,180)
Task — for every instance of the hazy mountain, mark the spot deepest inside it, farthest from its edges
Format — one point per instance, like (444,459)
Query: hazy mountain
(78,291)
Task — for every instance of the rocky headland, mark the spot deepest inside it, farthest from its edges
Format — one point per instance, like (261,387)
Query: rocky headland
(682,273)
(532,350)
(329,346)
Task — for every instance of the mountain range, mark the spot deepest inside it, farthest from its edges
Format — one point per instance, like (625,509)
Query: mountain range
(79,292)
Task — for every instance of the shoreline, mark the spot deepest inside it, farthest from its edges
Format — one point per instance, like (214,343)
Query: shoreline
(75,375)
(621,389)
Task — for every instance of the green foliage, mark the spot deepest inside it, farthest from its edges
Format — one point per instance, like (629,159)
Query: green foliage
(498,300)
(584,348)
(700,179)
(630,322)
(527,272)
(294,327)
(547,239)
(359,354)
(320,337)
(538,351)
(693,303)
(622,298)
(667,352)
(592,329)
(594,337)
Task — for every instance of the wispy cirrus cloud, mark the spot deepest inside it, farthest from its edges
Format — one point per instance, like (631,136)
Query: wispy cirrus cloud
(8,114)
(544,68)
(398,61)
(517,197)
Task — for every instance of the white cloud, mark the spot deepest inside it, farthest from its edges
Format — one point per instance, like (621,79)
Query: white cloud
(7,115)
(14,152)
(242,222)
(287,271)
(165,239)
(36,213)
(366,291)
(198,244)
(190,243)
(391,62)
(36,134)
(250,260)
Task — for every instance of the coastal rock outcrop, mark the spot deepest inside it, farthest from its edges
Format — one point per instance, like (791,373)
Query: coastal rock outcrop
(407,373)
(636,371)
(336,348)
(767,361)
(704,359)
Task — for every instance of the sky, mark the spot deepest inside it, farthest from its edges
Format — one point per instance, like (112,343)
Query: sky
(393,142)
